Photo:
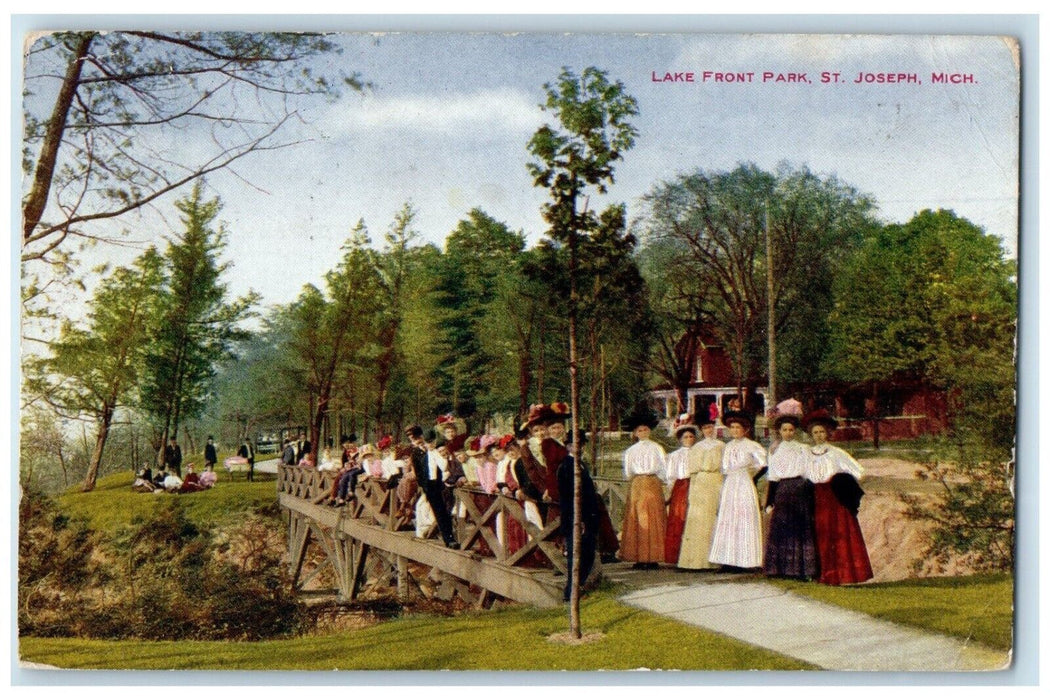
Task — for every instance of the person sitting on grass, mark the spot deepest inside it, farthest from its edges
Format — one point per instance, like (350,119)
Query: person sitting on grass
(172,483)
(208,477)
(143,481)
(192,481)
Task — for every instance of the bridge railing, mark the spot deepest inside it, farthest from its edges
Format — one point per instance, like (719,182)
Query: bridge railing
(491,525)
(614,493)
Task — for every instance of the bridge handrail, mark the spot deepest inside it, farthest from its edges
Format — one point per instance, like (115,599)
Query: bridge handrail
(376,504)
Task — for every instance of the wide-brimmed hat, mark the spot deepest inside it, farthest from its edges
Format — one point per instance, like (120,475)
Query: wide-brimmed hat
(787,418)
(741,417)
(559,411)
(683,423)
(366,449)
(641,415)
(488,441)
(538,413)
(506,441)
(414,431)
(474,447)
(449,420)
(819,417)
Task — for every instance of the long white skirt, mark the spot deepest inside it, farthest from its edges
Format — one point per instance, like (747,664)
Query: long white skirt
(738,531)
(424,515)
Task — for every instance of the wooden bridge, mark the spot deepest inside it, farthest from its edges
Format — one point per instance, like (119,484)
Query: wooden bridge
(371,542)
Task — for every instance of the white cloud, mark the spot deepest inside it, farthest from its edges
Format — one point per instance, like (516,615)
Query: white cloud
(503,109)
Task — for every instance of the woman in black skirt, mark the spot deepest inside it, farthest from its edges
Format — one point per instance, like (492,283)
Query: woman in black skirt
(791,548)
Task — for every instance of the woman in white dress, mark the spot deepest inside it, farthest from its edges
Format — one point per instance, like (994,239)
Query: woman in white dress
(737,541)
(705,490)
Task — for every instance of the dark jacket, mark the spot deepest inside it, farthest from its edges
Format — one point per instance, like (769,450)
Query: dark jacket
(589,506)
(172,457)
(847,491)
(209,454)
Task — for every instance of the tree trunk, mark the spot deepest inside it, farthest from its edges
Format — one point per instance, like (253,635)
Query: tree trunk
(524,380)
(44,172)
(105,420)
(574,392)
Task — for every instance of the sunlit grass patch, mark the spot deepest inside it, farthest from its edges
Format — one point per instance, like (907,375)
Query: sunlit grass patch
(511,639)
(971,607)
(113,504)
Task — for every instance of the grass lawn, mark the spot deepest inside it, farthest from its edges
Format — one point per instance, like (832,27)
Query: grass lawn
(113,504)
(511,639)
(974,607)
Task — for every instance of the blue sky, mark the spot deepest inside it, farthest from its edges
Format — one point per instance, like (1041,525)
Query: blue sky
(447,124)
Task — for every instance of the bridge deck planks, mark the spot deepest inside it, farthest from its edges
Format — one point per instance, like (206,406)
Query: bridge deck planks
(507,581)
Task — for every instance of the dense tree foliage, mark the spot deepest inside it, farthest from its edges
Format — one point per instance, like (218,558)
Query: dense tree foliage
(936,299)
(708,231)
(93,371)
(198,321)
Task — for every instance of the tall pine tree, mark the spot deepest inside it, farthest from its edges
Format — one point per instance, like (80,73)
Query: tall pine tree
(198,321)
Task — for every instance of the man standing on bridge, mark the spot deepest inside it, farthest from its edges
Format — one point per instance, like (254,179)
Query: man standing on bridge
(427,465)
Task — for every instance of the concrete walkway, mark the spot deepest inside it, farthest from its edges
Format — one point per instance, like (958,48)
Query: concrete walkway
(827,636)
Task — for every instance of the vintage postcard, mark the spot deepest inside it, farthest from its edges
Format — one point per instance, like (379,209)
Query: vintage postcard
(518,351)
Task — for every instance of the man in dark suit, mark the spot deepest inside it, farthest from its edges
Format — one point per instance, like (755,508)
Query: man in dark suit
(302,448)
(173,458)
(210,454)
(589,514)
(248,453)
(431,480)
(288,455)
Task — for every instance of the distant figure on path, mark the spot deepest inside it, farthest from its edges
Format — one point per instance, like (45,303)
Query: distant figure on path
(211,457)
(248,453)
(288,455)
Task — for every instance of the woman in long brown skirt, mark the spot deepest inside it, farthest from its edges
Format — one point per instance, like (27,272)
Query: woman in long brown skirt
(644,519)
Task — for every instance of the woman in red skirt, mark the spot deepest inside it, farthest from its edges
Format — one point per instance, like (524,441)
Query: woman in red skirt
(836,494)
(678,478)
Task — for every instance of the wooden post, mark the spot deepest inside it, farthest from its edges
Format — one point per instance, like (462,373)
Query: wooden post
(402,579)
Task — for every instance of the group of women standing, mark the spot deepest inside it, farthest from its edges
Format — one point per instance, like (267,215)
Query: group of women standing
(713,518)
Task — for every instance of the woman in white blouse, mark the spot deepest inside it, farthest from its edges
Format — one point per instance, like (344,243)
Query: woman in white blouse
(791,549)
(678,479)
(737,541)
(644,518)
(836,499)
(705,490)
